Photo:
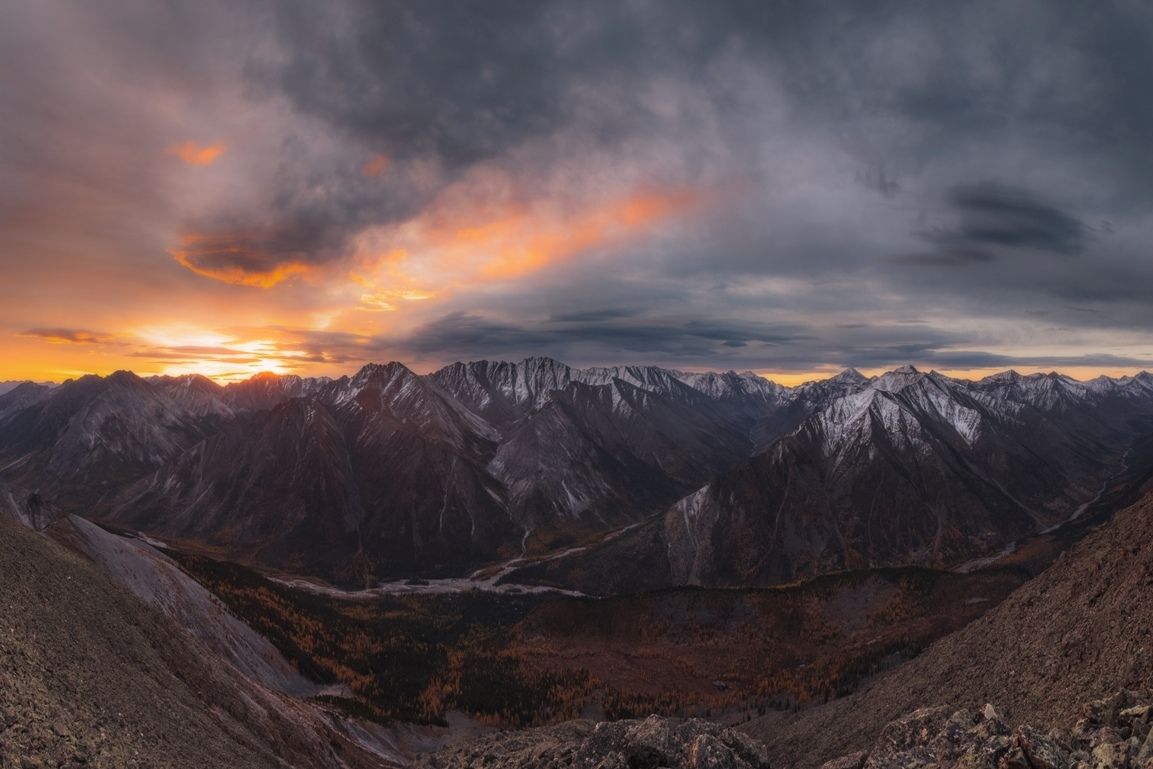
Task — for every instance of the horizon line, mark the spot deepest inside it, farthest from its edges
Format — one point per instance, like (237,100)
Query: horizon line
(780,378)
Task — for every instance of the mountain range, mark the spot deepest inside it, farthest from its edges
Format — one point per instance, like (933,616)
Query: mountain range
(600,479)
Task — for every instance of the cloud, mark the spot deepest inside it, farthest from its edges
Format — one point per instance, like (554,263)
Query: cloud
(994,216)
(195,154)
(68,335)
(467,334)
(976,359)
(376,165)
(593,316)
(952,256)
(260,259)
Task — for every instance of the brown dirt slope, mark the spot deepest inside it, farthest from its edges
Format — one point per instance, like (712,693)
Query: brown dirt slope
(91,677)
(1081,629)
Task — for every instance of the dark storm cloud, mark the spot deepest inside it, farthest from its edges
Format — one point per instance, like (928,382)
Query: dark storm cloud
(898,85)
(461,81)
(995,216)
(593,316)
(676,343)
(945,257)
(463,333)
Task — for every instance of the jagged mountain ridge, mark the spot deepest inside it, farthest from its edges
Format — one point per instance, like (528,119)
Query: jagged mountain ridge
(385,471)
(912,464)
(906,468)
(391,473)
(94,433)
(10,385)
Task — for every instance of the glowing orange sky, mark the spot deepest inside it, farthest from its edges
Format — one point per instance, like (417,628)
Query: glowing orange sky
(461,242)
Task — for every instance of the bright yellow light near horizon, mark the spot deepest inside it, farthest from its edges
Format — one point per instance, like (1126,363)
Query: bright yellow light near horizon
(257,346)
(227,371)
(217,355)
(182,336)
(792,378)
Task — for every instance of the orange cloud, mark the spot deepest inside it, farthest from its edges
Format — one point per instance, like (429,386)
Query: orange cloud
(231,259)
(459,242)
(523,239)
(376,166)
(388,299)
(195,154)
(67,335)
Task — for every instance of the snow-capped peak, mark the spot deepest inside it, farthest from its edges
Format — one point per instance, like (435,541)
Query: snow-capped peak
(897,379)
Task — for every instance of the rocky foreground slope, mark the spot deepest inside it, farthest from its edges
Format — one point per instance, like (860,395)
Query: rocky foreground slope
(1111,733)
(1081,629)
(91,677)
(649,744)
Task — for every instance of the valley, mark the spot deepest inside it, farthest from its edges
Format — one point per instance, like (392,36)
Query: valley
(553,657)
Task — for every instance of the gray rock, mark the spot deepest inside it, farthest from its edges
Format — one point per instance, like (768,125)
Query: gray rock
(1145,754)
(851,761)
(1111,755)
(652,743)
(1041,751)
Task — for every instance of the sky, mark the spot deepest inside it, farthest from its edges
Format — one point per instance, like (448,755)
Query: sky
(787,187)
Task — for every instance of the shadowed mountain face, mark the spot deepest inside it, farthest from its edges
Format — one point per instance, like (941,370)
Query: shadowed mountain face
(94,434)
(384,473)
(388,473)
(908,469)
(918,469)
(1078,631)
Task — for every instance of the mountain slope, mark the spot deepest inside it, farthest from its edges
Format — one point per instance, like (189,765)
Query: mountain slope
(911,468)
(916,470)
(343,492)
(1079,630)
(504,392)
(387,473)
(1115,733)
(264,391)
(21,395)
(92,433)
(610,454)
(92,677)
